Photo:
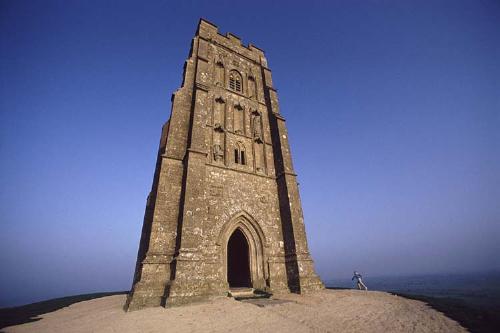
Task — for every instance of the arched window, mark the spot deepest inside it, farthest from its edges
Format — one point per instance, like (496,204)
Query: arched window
(239,154)
(235,82)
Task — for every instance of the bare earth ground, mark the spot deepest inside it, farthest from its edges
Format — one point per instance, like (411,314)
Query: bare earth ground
(325,311)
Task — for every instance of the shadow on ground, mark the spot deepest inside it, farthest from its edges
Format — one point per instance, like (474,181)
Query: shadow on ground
(28,313)
(477,319)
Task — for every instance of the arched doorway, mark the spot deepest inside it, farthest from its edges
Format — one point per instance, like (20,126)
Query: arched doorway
(238,260)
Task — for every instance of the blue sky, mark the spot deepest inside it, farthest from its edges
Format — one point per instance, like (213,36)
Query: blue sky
(393,109)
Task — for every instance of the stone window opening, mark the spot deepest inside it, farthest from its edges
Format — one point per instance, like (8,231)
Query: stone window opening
(239,154)
(243,157)
(236,156)
(235,81)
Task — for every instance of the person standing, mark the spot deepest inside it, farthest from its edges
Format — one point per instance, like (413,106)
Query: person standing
(359,281)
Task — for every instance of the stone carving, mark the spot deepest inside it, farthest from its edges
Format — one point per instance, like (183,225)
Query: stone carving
(257,128)
(218,127)
(216,190)
(218,153)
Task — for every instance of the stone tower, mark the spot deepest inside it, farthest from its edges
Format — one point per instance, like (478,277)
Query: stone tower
(224,209)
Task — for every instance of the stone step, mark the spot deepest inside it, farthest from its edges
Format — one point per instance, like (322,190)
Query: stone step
(247,293)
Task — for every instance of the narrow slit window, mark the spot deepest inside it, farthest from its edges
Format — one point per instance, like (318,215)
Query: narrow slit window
(243,157)
(236,156)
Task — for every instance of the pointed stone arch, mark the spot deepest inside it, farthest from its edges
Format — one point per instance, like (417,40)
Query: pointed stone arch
(236,81)
(256,243)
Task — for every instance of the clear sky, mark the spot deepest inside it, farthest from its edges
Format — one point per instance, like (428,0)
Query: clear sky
(393,109)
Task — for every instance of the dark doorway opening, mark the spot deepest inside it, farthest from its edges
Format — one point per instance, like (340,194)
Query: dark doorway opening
(238,261)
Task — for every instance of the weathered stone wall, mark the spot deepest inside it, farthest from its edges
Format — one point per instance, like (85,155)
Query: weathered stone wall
(224,163)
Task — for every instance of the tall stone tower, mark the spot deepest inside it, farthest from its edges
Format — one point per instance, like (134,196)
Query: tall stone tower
(224,210)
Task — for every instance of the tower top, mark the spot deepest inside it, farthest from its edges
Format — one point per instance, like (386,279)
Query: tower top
(209,31)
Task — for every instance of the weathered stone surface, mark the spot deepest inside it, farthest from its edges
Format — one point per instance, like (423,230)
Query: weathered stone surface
(224,164)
